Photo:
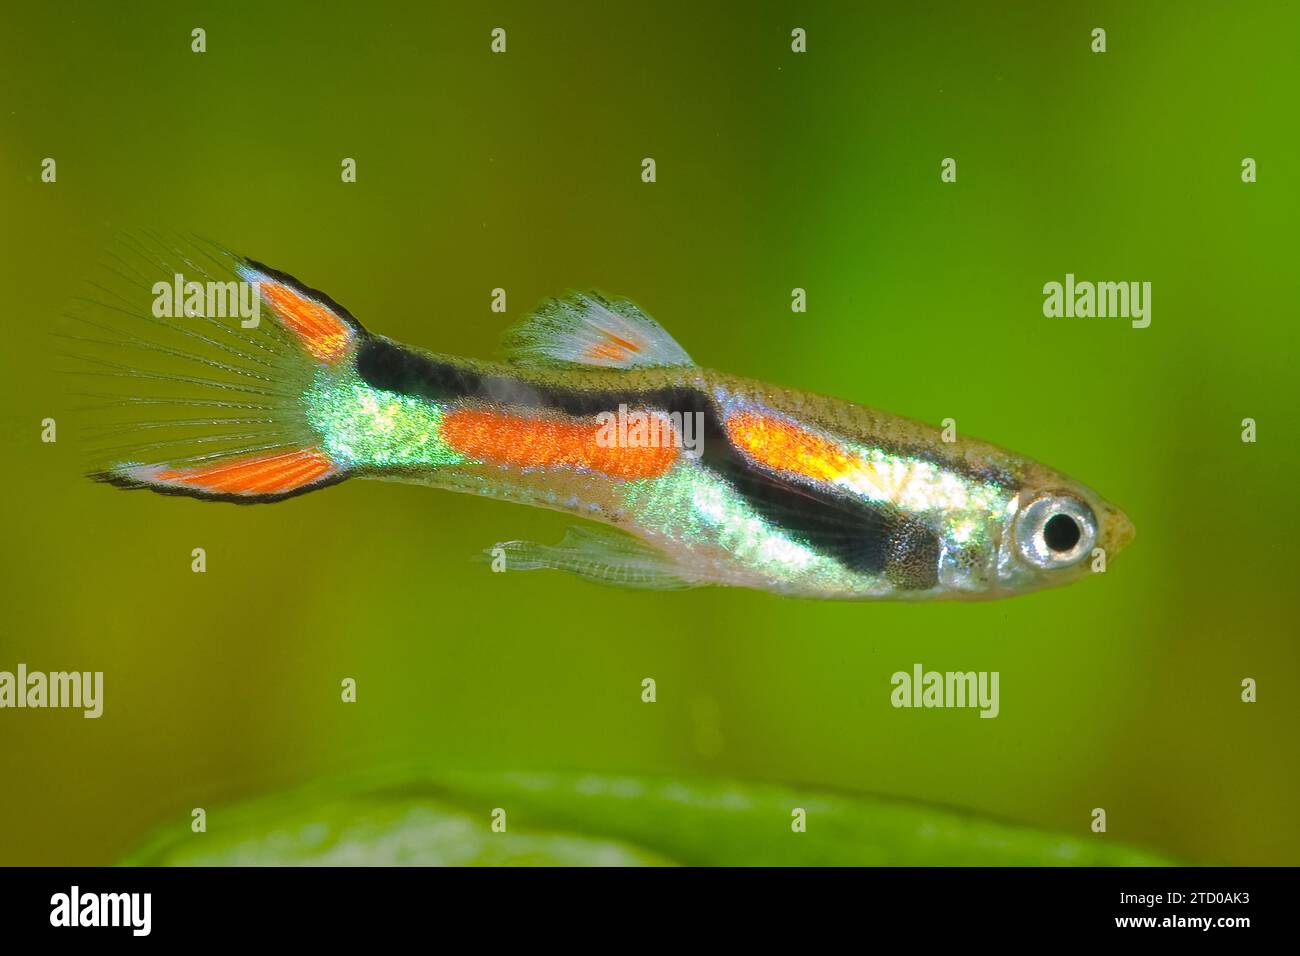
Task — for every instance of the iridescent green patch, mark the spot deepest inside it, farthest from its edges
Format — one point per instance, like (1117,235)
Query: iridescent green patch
(364,426)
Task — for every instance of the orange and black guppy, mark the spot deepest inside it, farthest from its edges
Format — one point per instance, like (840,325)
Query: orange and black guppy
(232,381)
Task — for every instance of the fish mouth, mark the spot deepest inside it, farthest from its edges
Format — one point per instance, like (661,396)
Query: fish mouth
(1119,531)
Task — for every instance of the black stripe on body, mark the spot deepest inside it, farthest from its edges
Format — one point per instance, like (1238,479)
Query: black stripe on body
(861,536)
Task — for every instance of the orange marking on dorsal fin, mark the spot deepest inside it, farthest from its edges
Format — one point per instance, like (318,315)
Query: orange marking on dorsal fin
(545,443)
(620,341)
(784,446)
(322,333)
(255,475)
(615,348)
(607,350)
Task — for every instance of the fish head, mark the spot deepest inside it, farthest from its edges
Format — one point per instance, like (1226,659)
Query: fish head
(1053,530)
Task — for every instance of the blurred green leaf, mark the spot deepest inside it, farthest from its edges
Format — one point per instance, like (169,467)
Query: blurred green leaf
(444,818)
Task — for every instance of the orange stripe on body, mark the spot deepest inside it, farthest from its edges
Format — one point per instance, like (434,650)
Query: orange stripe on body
(784,446)
(273,474)
(322,333)
(538,442)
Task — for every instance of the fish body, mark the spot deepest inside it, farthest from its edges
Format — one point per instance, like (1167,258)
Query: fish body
(687,476)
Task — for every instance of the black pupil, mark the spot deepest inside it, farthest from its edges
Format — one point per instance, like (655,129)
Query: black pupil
(1061,532)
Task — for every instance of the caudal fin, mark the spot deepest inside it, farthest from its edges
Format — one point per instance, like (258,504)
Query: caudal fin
(196,362)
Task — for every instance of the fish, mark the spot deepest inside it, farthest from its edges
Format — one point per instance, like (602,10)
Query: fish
(681,476)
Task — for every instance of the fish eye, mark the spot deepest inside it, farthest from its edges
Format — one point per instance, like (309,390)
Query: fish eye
(1061,533)
(1055,531)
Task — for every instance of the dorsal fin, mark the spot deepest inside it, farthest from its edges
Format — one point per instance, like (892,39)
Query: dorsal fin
(584,328)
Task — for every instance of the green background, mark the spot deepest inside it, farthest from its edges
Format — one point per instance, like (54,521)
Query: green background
(775,170)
